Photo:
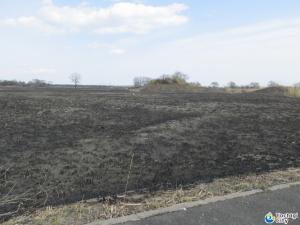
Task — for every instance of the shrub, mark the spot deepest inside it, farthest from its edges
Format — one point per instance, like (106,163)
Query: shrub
(177,78)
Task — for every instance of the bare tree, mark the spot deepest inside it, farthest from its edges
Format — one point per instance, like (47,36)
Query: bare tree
(232,85)
(214,84)
(165,77)
(196,84)
(141,81)
(180,76)
(75,79)
(255,85)
(273,84)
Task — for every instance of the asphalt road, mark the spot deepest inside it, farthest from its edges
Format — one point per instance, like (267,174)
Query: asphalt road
(250,210)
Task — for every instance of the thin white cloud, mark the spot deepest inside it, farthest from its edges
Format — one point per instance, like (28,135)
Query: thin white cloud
(30,22)
(263,31)
(28,69)
(109,48)
(42,71)
(260,52)
(117,51)
(96,45)
(121,17)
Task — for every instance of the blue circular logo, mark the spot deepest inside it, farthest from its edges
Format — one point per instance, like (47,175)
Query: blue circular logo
(270,218)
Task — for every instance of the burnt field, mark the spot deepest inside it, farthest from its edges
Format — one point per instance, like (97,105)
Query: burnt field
(59,146)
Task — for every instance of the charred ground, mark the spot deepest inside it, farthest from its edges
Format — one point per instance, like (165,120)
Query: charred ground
(59,146)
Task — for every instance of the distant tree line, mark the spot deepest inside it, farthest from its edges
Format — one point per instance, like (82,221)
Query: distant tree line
(181,78)
(75,78)
(32,83)
(252,85)
(175,78)
(12,83)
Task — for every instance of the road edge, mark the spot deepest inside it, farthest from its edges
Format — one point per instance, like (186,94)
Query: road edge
(184,206)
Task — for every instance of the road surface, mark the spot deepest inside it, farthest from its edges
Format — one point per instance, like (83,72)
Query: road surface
(249,210)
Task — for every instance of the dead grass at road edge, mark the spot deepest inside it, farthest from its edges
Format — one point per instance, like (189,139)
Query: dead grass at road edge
(89,211)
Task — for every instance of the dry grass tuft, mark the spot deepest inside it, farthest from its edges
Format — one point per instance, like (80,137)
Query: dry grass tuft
(85,212)
(292,92)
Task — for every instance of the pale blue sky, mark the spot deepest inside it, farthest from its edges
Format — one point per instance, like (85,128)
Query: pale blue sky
(110,42)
